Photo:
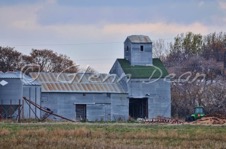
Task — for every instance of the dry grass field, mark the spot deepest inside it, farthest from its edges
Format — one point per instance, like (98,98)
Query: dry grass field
(110,136)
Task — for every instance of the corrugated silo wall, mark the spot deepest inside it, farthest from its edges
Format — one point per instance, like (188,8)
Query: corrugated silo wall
(158,94)
(98,105)
(32,93)
(11,92)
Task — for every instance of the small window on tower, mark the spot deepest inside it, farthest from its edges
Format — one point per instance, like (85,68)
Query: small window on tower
(141,48)
(127,49)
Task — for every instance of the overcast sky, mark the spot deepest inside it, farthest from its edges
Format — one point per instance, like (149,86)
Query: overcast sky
(92,32)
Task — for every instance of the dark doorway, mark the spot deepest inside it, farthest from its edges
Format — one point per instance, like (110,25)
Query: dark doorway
(138,107)
(80,112)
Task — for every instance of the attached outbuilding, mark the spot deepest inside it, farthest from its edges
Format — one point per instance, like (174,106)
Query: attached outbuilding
(13,87)
(83,96)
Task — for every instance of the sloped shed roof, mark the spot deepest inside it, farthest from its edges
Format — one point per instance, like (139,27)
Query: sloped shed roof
(142,72)
(26,80)
(78,82)
(138,39)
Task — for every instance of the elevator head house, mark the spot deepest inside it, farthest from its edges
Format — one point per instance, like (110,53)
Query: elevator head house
(144,79)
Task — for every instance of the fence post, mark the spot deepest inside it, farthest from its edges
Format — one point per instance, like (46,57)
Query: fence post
(22,109)
(1,111)
(19,111)
(10,110)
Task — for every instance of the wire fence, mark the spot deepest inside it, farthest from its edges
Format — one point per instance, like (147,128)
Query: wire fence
(10,110)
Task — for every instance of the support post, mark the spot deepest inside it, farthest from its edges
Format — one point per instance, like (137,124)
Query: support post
(19,111)
(10,110)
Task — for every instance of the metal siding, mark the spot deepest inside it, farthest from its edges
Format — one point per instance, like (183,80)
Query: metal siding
(33,93)
(98,105)
(134,55)
(17,88)
(117,69)
(119,107)
(158,94)
(11,91)
(141,58)
(95,112)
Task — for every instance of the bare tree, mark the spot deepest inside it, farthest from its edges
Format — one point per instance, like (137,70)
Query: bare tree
(160,49)
(215,99)
(9,59)
(50,61)
(214,45)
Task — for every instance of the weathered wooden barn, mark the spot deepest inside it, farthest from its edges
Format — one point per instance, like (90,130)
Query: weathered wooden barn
(136,87)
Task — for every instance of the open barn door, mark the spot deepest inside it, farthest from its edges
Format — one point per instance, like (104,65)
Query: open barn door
(80,112)
(138,107)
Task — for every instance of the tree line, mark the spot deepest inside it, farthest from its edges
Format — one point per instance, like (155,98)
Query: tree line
(190,54)
(43,60)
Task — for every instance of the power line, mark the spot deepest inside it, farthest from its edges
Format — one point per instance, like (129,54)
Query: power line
(97,59)
(82,43)
(65,44)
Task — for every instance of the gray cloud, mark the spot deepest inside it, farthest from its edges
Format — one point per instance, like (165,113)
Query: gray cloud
(75,12)
(17,2)
(48,24)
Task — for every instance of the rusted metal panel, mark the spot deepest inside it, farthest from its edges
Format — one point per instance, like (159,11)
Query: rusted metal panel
(80,82)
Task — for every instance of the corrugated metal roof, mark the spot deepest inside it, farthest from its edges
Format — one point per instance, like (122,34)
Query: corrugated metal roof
(78,82)
(29,81)
(139,39)
(26,80)
(10,75)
